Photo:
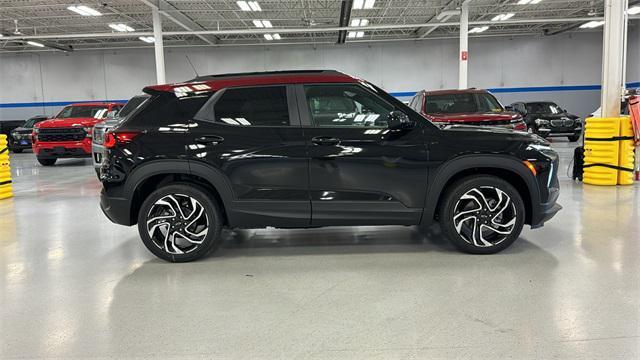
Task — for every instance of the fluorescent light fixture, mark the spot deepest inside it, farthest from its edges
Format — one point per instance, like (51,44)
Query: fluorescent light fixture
(147,39)
(121,27)
(591,24)
(243,5)
(35,43)
(634,10)
(249,5)
(84,10)
(479,29)
(525,2)
(502,17)
(272,36)
(255,6)
(355,34)
(363,4)
(1,35)
(262,23)
(359,22)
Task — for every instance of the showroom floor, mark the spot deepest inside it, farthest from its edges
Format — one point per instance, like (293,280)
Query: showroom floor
(74,285)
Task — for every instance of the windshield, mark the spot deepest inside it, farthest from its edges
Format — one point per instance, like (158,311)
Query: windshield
(29,123)
(83,112)
(131,105)
(462,103)
(543,108)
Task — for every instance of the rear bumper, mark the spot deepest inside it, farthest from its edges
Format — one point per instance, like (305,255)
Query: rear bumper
(117,209)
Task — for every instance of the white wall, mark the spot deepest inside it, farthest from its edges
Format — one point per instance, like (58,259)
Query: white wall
(568,59)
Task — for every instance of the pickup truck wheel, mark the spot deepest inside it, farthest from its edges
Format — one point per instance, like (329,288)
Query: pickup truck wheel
(180,223)
(482,214)
(47,161)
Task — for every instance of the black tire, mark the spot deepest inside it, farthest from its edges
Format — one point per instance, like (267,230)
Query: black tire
(573,138)
(182,192)
(47,161)
(16,151)
(512,211)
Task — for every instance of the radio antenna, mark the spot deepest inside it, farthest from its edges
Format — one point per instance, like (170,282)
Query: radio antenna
(192,67)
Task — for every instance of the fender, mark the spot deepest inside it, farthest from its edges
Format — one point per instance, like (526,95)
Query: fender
(454,166)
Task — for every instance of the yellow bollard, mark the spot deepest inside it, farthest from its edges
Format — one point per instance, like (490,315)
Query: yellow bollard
(600,151)
(626,155)
(5,170)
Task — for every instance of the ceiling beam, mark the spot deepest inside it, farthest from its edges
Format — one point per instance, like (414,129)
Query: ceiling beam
(426,30)
(172,13)
(302,30)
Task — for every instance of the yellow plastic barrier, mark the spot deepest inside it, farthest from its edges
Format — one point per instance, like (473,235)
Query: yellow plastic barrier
(626,156)
(601,152)
(5,170)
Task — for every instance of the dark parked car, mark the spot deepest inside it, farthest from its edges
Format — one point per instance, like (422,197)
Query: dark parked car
(20,137)
(465,107)
(307,149)
(547,119)
(97,149)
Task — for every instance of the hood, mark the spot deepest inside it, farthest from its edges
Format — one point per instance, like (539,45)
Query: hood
(491,133)
(22,130)
(505,116)
(65,123)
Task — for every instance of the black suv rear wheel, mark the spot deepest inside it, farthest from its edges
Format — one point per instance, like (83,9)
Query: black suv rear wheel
(482,214)
(180,223)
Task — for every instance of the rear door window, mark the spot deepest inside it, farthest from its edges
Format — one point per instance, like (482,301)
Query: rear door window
(255,106)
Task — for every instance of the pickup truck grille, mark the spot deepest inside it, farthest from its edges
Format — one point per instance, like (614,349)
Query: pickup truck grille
(64,134)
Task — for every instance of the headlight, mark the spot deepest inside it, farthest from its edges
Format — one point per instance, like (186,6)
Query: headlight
(542,122)
(15,134)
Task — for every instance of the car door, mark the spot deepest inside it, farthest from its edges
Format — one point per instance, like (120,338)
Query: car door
(360,172)
(252,136)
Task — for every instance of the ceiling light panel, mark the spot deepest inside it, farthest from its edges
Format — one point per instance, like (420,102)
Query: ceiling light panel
(363,4)
(84,10)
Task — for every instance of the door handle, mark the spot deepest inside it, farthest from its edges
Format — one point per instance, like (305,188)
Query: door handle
(325,140)
(210,139)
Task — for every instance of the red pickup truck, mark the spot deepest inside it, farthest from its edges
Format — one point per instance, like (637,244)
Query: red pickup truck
(465,107)
(68,134)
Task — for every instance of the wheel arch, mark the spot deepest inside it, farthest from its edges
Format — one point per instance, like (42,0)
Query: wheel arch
(157,173)
(507,168)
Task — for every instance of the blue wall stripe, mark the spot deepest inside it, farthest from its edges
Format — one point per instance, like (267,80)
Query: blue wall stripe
(533,89)
(396,94)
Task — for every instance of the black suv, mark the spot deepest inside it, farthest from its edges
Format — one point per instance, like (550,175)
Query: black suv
(547,119)
(304,149)
(20,138)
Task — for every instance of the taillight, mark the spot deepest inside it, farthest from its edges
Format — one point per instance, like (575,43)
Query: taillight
(111,139)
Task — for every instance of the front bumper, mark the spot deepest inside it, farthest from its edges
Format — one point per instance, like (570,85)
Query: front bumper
(63,149)
(553,132)
(23,143)
(98,154)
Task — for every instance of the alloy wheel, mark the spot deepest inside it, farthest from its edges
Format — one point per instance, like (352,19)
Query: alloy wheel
(177,223)
(484,216)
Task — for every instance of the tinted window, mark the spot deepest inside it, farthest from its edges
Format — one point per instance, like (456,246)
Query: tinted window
(346,105)
(462,103)
(260,106)
(81,111)
(166,109)
(34,120)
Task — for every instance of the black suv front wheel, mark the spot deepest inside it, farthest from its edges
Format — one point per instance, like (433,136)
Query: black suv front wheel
(180,223)
(482,214)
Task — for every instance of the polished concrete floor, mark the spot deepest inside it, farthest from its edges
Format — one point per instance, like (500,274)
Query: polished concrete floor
(74,285)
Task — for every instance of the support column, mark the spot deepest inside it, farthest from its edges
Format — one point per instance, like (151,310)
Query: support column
(613,56)
(464,46)
(158,46)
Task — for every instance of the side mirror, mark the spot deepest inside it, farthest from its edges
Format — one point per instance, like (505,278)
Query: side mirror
(397,120)
(510,108)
